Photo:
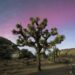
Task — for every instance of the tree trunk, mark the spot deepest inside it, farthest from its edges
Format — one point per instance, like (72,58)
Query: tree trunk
(38,61)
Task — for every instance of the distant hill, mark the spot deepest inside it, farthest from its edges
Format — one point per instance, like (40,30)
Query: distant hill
(7,48)
(4,41)
(70,51)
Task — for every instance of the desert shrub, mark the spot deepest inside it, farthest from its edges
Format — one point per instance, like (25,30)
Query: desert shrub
(65,61)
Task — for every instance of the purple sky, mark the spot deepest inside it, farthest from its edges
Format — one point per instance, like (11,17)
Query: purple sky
(60,14)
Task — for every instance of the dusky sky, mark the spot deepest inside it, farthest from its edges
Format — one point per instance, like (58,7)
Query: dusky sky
(60,14)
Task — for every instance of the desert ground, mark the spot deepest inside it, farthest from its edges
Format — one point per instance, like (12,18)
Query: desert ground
(22,67)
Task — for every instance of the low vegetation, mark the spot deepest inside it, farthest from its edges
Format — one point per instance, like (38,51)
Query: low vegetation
(22,67)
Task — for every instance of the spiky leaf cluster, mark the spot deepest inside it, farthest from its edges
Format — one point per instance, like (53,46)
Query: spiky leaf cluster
(36,29)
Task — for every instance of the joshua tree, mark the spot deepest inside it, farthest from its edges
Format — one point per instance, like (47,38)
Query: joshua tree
(58,40)
(36,35)
(55,53)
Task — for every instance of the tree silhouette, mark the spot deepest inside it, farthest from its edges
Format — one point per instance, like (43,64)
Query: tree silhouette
(36,35)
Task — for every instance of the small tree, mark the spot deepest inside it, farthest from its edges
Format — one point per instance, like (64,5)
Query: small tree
(36,35)
(55,53)
(57,40)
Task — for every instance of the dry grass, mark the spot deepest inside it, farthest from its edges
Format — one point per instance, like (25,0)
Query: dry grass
(19,67)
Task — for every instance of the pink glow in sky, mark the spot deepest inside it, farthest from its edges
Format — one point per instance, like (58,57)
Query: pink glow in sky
(60,14)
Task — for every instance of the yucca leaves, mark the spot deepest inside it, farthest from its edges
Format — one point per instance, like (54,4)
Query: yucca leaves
(36,29)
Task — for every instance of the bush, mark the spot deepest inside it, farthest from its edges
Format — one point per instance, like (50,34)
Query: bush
(66,61)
